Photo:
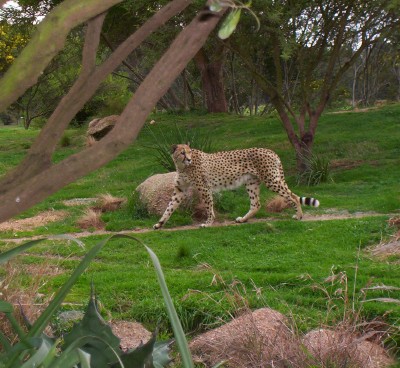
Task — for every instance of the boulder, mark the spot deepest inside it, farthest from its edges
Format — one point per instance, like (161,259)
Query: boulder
(99,127)
(156,192)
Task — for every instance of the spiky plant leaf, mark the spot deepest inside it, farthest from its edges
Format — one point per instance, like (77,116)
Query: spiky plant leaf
(141,357)
(104,345)
(161,354)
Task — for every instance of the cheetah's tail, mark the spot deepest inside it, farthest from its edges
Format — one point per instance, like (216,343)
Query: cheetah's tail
(309,201)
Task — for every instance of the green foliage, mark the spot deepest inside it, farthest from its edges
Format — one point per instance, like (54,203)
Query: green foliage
(364,152)
(183,251)
(91,342)
(229,25)
(163,138)
(318,170)
(65,141)
(136,207)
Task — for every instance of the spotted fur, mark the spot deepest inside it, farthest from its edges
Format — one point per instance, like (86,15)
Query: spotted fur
(227,170)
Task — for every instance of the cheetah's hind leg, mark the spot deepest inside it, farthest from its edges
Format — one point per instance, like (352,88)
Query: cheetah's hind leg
(253,189)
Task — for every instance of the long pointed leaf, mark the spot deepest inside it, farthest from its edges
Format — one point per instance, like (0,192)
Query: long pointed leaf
(6,256)
(173,316)
(40,355)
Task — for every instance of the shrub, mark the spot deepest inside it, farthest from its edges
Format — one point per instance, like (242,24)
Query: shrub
(65,141)
(137,208)
(318,170)
(91,219)
(164,139)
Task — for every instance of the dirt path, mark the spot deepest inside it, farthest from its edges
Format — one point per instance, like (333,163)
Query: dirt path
(324,217)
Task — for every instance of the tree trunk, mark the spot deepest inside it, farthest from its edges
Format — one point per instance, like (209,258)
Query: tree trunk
(211,70)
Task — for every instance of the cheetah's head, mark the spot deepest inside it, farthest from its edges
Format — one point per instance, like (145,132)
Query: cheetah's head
(182,155)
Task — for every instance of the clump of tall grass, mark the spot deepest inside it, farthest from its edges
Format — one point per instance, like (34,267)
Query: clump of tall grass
(317,169)
(163,139)
(91,219)
(107,203)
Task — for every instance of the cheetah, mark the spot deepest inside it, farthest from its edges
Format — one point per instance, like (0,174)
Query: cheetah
(213,172)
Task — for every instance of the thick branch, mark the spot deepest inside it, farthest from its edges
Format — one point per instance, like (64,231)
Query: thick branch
(92,39)
(48,40)
(157,82)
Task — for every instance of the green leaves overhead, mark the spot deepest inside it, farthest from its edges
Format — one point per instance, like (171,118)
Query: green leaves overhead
(230,23)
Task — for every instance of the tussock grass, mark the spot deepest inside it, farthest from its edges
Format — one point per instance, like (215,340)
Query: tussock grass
(107,203)
(91,219)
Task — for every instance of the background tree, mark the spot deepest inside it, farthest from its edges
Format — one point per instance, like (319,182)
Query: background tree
(301,46)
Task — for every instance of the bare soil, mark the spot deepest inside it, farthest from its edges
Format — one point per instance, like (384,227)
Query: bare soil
(50,216)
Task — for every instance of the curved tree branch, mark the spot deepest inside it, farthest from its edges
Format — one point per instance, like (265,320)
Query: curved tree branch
(91,45)
(40,153)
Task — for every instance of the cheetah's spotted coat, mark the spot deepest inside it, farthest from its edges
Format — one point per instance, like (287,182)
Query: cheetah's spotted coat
(228,170)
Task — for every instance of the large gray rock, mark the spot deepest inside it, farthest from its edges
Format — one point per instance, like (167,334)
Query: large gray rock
(98,128)
(156,192)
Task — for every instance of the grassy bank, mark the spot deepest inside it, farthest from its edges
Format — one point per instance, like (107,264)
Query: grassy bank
(282,264)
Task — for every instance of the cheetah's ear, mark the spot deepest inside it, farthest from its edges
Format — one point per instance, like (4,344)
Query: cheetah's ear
(188,143)
(173,148)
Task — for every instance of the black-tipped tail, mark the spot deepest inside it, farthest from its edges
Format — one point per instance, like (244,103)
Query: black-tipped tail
(309,201)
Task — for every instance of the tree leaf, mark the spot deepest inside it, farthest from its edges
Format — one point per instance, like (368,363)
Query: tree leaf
(229,24)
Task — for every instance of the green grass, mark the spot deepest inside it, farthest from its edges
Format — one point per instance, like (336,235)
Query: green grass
(275,256)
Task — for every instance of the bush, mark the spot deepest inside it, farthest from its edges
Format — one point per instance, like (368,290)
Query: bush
(164,139)
(318,170)
(65,141)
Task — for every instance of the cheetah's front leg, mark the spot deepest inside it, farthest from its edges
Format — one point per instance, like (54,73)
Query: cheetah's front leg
(207,198)
(174,203)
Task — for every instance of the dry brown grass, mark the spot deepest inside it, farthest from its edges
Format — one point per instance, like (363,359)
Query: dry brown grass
(27,300)
(90,141)
(107,203)
(276,205)
(31,223)
(391,248)
(91,219)
(266,338)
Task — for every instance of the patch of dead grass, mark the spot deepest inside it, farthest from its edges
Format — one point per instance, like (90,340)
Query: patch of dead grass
(33,222)
(107,203)
(276,205)
(91,219)
(391,248)
(27,300)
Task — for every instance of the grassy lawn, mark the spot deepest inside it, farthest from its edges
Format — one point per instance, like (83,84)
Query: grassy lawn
(281,264)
